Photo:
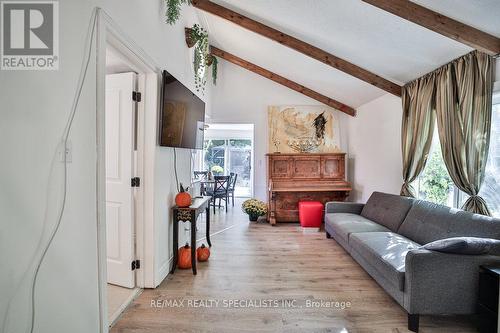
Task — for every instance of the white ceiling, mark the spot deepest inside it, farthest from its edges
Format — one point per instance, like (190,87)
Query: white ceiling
(380,42)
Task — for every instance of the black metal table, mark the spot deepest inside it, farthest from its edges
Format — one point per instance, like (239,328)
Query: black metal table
(190,214)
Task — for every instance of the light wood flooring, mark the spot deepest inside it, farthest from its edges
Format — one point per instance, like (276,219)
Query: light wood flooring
(118,299)
(257,262)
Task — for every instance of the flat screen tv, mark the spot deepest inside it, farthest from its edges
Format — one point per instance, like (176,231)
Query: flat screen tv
(182,115)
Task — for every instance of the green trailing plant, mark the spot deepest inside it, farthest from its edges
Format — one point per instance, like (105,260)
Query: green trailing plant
(198,35)
(214,69)
(174,9)
(202,59)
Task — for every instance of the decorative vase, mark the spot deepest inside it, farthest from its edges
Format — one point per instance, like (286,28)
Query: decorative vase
(253,217)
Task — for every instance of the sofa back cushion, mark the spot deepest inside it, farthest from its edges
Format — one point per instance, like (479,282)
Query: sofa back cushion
(427,222)
(388,210)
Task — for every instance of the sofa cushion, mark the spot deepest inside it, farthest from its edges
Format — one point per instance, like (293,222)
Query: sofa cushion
(427,222)
(465,245)
(387,209)
(343,224)
(385,251)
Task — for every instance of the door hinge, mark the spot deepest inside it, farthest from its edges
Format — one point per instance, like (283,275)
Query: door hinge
(136,264)
(136,96)
(136,182)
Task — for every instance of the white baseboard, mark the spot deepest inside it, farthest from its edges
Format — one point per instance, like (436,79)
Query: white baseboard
(163,271)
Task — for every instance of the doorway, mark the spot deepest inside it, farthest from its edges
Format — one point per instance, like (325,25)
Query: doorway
(121,121)
(117,53)
(228,149)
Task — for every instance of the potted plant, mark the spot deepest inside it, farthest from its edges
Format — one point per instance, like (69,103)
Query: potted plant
(195,35)
(217,170)
(254,208)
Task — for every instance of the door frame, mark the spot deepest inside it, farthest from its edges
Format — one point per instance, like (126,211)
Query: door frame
(109,34)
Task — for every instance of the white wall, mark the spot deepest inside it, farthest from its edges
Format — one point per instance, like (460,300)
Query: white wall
(35,106)
(374,162)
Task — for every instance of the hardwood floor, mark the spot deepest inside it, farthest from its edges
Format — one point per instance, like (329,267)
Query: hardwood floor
(118,298)
(258,262)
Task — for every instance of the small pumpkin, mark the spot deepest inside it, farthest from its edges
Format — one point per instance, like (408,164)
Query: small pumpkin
(183,198)
(203,253)
(184,261)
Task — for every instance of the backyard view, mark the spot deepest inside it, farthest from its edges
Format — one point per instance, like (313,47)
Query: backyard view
(223,157)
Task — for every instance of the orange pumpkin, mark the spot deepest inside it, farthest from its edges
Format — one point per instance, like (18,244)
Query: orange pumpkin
(184,260)
(183,198)
(203,253)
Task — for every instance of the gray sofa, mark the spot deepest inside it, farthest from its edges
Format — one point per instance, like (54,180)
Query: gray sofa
(385,235)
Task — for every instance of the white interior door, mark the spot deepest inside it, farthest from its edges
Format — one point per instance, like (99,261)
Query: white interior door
(119,118)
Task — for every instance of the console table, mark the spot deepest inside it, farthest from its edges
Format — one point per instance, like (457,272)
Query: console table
(190,214)
(303,177)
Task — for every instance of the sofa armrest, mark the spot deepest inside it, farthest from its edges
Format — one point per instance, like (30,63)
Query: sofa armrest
(344,207)
(442,283)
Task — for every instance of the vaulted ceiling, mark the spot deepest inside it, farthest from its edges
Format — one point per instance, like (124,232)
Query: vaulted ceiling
(360,33)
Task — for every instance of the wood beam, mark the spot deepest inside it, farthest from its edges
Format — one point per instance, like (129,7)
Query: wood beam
(441,24)
(298,45)
(283,81)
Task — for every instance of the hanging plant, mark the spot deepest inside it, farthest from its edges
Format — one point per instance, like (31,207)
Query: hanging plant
(197,37)
(214,68)
(174,9)
(200,73)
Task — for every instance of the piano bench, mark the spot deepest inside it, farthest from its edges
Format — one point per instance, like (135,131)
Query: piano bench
(310,214)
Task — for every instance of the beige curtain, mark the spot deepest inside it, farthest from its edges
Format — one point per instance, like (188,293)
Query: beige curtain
(417,128)
(463,107)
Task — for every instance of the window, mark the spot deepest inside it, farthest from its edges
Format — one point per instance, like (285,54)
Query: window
(490,191)
(227,156)
(434,184)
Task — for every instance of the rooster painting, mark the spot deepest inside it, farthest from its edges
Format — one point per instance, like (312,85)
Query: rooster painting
(319,124)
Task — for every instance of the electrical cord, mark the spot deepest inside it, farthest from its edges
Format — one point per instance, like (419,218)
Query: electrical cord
(175,171)
(66,133)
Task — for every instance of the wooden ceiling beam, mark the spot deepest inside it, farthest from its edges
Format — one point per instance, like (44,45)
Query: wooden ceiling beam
(441,24)
(282,80)
(298,45)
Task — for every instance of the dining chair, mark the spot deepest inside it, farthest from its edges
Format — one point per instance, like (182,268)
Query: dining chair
(203,174)
(232,185)
(220,190)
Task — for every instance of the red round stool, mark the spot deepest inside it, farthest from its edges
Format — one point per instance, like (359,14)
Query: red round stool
(310,215)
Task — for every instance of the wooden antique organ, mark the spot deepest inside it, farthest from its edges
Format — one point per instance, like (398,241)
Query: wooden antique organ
(303,177)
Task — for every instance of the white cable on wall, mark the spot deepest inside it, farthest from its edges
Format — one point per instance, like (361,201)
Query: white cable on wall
(67,131)
(64,147)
